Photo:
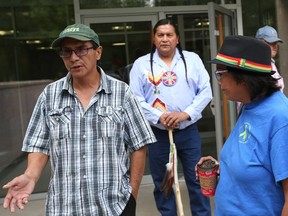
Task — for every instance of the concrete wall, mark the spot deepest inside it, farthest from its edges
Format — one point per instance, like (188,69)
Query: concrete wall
(17,101)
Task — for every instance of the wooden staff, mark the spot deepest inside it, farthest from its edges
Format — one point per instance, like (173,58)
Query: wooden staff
(176,187)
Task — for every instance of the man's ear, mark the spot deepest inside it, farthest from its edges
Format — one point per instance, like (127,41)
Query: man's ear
(99,52)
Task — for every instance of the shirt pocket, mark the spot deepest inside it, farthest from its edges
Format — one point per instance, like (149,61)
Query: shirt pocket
(110,121)
(59,122)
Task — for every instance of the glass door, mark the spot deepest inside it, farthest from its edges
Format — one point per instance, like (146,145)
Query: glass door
(221,24)
(194,36)
(123,39)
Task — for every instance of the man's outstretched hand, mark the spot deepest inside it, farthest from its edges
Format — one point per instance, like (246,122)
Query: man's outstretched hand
(19,190)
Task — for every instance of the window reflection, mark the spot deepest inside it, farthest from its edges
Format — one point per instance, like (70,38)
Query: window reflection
(89,4)
(122,44)
(6,27)
(230,1)
(27,29)
(196,33)
(26,32)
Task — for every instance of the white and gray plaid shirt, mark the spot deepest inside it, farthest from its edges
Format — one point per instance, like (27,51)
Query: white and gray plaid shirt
(89,150)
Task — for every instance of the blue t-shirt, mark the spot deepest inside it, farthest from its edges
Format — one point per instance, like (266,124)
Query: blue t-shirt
(254,160)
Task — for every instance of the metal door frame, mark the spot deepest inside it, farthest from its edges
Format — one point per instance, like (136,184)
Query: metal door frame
(154,14)
(220,127)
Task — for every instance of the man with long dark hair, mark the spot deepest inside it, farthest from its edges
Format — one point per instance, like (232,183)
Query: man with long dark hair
(173,88)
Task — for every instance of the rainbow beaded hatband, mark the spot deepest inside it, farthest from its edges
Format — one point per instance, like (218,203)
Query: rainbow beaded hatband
(245,53)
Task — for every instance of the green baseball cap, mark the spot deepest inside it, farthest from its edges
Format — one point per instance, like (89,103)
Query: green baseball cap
(77,31)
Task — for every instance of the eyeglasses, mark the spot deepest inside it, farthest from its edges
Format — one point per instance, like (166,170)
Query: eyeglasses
(64,53)
(218,74)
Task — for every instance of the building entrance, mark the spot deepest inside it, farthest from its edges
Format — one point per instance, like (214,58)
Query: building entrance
(202,30)
(123,39)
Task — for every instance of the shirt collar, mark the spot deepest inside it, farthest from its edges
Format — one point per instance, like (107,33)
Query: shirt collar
(104,83)
(177,54)
(67,85)
(175,59)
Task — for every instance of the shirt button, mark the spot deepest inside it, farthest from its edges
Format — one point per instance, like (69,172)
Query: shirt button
(84,156)
(84,136)
(84,176)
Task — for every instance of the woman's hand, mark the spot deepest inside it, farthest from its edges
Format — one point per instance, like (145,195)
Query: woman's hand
(202,159)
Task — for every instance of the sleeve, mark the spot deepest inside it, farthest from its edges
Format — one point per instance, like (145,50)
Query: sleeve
(37,134)
(137,85)
(204,92)
(137,129)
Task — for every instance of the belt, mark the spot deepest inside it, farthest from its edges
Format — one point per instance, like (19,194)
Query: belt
(174,130)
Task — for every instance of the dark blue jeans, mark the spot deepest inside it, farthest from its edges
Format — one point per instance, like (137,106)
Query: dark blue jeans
(188,145)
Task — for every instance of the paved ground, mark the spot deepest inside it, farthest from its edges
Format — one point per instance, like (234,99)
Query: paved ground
(145,202)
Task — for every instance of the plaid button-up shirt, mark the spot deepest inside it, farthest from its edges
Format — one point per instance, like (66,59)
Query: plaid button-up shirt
(89,149)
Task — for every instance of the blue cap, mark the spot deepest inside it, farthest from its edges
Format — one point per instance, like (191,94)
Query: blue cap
(269,34)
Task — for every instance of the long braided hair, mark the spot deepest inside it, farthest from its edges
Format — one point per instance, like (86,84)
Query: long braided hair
(167,22)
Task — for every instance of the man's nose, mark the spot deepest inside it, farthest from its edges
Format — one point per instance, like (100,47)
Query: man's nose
(165,37)
(74,55)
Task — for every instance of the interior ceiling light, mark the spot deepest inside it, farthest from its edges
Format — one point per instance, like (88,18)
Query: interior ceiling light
(117,28)
(44,48)
(204,23)
(6,32)
(33,42)
(118,44)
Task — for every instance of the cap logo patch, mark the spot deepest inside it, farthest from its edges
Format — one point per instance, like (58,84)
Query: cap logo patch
(70,30)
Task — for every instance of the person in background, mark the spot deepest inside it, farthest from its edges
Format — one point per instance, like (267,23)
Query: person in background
(269,35)
(253,162)
(92,129)
(173,88)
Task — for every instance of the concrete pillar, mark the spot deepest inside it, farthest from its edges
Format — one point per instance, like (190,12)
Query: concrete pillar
(282,17)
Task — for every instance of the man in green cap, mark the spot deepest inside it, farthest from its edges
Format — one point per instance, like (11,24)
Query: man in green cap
(92,129)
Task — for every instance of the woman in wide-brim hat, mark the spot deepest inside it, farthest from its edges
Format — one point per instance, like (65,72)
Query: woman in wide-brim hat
(253,162)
